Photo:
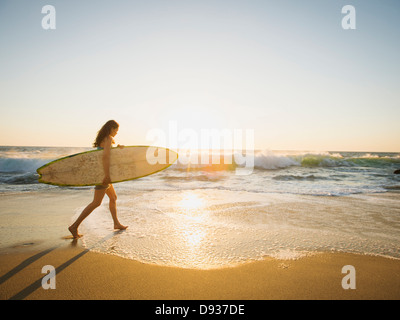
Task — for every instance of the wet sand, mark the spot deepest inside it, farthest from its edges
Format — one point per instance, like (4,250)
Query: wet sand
(81,274)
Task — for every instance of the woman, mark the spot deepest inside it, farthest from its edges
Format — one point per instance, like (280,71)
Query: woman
(104,140)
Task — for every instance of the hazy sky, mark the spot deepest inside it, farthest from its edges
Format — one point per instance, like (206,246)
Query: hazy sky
(285,69)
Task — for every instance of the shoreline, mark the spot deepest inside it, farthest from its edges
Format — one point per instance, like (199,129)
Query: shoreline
(82,274)
(38,219)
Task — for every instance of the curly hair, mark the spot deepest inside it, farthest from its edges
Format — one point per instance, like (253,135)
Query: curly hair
(105,131)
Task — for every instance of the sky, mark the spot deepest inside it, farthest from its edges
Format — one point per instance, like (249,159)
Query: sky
(285,70)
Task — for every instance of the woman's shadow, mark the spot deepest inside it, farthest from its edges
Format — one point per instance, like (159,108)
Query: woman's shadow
(38,283)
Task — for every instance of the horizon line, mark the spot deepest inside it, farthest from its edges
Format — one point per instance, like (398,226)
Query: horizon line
(211,149)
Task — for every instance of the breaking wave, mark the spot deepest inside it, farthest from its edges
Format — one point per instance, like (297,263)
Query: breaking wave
(269,160)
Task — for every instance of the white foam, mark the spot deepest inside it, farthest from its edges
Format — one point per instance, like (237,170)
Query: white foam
(269,160)
(208,229)
(289,254)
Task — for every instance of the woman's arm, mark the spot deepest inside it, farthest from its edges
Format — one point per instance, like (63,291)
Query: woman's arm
(106,160)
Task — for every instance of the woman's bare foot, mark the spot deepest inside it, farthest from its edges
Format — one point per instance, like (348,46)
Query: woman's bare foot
(120,226)
(74,232)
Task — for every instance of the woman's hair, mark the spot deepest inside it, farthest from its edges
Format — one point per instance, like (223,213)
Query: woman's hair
(104,132)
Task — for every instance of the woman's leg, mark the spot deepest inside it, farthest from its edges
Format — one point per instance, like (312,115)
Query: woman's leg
(113,207)
(97,199)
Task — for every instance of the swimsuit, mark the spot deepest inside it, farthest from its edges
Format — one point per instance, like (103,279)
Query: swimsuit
(101,186)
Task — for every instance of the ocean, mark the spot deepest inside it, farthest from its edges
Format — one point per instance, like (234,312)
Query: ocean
(284,172)
(206,216)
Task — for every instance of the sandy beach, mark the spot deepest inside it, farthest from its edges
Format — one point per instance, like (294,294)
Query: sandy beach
(81,274)
(37,226)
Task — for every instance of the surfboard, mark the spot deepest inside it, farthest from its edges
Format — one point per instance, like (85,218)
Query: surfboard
(86,168)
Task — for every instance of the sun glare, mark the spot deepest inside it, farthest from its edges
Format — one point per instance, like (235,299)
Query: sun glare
(190,202)
(194,231)
(194,237)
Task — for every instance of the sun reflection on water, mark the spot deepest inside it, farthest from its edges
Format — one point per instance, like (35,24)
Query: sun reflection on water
(192,208)
(190,201)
